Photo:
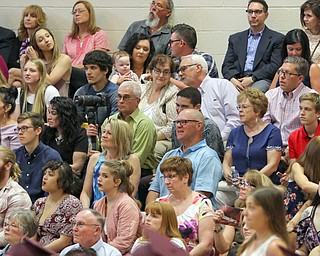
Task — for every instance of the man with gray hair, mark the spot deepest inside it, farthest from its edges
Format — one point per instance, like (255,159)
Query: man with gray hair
(144,131)
(157,26)
(219,96)
(87,229)
(283,109)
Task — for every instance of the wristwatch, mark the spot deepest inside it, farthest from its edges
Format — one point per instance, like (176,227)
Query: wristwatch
(218,230)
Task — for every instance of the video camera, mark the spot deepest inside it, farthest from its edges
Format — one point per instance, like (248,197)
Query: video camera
(97,109)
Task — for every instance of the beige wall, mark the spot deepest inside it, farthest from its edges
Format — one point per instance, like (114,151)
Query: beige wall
(214,20)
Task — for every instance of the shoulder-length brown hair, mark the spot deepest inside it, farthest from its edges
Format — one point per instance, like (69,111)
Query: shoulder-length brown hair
(92,24)
(35,10)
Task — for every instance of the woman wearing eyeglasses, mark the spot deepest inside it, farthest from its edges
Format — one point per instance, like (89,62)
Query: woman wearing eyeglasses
(158,101)
(296,43)
(194,211)
(19,225)
(255,144)
(229,237)
(56,212)
(85,35)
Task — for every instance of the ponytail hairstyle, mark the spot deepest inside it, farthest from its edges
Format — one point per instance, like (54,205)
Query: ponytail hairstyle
(121,169)
(8,156)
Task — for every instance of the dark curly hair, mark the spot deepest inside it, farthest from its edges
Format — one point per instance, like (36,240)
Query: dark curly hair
(100,58)
(66,176)
(69,119)
(133,41)
(8,96)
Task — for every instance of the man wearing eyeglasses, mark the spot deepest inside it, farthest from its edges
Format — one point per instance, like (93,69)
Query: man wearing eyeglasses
(219,96)
(157,26)
(183,42)
(254,55)
(87,229)
(205,161)
(283,109)
(33,155)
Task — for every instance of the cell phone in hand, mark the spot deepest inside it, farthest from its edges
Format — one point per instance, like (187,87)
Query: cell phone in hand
(279,174)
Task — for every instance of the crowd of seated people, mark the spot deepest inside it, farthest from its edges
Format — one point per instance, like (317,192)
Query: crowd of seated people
(144,131)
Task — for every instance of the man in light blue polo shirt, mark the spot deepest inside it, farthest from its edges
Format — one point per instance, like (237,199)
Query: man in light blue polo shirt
(205,161)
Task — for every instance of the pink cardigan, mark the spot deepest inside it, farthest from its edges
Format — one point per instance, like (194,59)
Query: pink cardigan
(123,223)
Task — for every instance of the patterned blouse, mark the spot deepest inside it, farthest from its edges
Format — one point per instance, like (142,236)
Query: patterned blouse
(188,221)
(306,231)
(60,222)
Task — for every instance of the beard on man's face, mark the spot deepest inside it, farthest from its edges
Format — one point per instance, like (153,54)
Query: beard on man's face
(153,20)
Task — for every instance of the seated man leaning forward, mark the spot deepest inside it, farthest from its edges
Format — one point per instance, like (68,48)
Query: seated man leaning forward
(253,55)
(87,230)
(205,161)
(33,155)
(219,96)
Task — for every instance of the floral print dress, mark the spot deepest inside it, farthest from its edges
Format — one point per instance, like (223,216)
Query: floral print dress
(188,221)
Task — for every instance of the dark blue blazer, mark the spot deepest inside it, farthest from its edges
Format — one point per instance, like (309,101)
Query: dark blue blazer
(266,62)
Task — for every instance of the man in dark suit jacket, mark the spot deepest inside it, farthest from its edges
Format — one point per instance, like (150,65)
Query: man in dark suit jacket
(7,38)
(254,55)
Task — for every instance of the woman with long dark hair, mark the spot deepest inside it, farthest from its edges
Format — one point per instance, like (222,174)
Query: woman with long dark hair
(64,133)
(141,49)
(296,43)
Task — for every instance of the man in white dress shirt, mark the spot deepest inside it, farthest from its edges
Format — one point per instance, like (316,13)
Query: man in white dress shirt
(219,96)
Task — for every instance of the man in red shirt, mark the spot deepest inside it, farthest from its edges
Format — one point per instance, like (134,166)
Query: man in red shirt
(309,117)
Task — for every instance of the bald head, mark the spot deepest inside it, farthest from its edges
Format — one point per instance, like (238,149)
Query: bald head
(190,123)
(192,114)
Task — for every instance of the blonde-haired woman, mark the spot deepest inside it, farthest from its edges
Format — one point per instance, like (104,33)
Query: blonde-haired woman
(37,94)
(13,196)
(85,35)
(160,218)
(116,139)
(45,47)
(122,215)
